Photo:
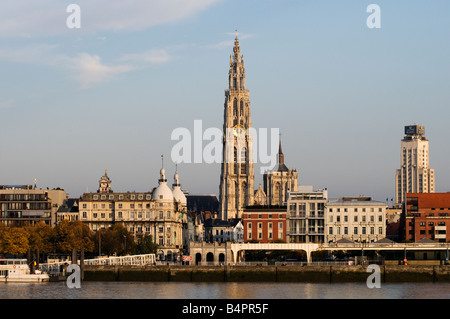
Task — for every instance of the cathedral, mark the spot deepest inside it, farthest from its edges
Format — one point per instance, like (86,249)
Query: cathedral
(237,177)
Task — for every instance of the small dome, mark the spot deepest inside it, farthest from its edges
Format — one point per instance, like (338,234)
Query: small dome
(178,194)
(163,192)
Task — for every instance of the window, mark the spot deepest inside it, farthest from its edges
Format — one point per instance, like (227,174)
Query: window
(120,205)
(346,218)
(364,230)
(249,225)
(94,215)
(355,219)
(131,215)
(84,205)
(147,215)
(131,205)
(331,218)
(330,231)
(161,214)
(259,225)
(380,230)
(102,215)
(280,226)
(345,230)
(380,218)
(84,215)
(270,225)
(120,215)
(132,197)
(355,230)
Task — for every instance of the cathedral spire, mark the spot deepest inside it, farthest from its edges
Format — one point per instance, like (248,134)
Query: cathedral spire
(280,154)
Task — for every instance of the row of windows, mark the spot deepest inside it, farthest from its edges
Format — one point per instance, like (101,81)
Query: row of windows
(280,225)
(355,218)
(132,215)
(260,216)
(120,205)
(355,231)
(121,197)
(356,209)
(269,236)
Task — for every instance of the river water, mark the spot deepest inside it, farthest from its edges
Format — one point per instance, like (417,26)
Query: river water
(221,290)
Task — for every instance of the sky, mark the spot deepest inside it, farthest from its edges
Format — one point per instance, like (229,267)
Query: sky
(108,95)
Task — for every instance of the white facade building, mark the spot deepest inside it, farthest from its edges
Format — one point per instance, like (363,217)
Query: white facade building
(358,219)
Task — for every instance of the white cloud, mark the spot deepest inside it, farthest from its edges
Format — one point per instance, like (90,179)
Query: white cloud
(48,17)
(89,70)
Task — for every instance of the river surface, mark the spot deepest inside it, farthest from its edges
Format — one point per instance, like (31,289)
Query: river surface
(220,290)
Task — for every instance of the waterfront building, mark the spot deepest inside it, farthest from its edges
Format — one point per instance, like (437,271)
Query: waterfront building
(237,172)
(426,216)
(415,174)
(359,219)
(306,215)
(22,205)
(218,230)
(264,224)
(279,182)
(159,213)
(68,210)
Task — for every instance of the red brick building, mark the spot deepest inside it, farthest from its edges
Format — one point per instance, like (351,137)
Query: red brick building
(426,215)
(264,223)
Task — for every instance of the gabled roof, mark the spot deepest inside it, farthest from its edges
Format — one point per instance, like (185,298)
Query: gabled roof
(344,241)
(385,240)
(425,241)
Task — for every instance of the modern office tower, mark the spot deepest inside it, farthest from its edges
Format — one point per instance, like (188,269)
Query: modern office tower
(237,173)
(306,215)
(415,174)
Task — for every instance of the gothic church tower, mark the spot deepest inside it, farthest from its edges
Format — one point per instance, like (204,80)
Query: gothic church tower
(237,174)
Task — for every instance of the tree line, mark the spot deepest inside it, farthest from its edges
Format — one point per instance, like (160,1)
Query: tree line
(69,235)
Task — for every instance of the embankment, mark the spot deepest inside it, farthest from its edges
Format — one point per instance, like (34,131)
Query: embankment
(319,274)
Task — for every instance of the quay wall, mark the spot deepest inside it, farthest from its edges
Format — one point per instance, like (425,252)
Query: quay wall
(318,274)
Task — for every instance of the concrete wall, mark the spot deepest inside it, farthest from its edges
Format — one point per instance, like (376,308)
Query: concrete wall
(389,273)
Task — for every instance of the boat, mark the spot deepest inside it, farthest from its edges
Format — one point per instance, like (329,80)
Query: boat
(17,270)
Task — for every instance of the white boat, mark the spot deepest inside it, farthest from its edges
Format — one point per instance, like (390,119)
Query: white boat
(17,270)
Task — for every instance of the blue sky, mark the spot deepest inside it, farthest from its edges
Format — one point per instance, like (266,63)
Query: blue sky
(74,102)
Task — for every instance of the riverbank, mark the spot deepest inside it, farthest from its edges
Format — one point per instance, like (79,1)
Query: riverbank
(307,274)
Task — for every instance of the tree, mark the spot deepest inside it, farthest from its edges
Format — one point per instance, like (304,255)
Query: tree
(146,245)
(13,240)
(114,240)
(41,236)
(71,235)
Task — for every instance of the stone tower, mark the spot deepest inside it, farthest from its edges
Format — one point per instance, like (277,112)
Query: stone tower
(237,174)
(280,181)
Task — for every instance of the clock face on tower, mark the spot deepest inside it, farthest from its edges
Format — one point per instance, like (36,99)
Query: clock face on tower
(238,130)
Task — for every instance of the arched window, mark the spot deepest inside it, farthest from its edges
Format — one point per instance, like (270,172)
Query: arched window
(235,107)
(241,108)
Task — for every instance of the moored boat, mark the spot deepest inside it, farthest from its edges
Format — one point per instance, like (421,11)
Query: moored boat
(17,270)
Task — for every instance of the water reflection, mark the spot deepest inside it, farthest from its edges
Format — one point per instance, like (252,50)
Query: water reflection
(181,290)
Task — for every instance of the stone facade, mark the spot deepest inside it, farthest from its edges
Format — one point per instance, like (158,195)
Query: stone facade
(237,173)
(156,213)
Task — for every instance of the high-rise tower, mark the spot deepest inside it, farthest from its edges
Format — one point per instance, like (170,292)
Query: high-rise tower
(237,174)
(415,174)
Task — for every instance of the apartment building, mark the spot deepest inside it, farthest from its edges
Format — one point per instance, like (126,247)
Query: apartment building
(359,219)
